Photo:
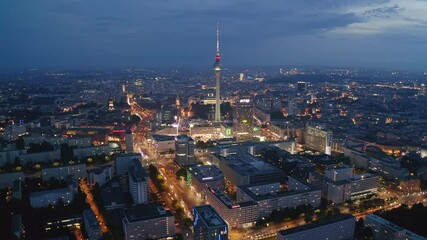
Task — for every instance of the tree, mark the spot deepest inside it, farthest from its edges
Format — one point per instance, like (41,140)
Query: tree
(308,218)
(182,172)
(152,172)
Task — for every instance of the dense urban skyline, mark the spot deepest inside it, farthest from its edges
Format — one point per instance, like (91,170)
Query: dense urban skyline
(213,120)
(376,33)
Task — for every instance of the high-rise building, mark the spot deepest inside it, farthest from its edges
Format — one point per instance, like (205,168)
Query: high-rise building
(302,86)
(111,105)
(242,77)
(319,139)
(138,183)
(124,160)
(217,68)
(129,141)
(184,150)
(208,224)
(148,221)
(292,107)
(243,117)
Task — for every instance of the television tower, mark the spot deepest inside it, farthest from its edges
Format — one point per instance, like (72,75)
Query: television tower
(217,68)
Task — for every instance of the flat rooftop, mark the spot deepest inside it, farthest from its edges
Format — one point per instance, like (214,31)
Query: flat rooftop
(114,192)
(209,216)
(393,226)
(246,164)
(245,188)
(143,212)
(317,224)
(45,192)
(206,173)
(91,219)
(160,138)
(228,202)
(128,155)
(137,172)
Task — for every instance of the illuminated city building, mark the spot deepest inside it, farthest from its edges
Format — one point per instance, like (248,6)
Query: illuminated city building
(111,105)
(208,224)
(147,221)
(184,151)
(124,160)
(318,138)
(385,230)
(138,183)
(129,141)
(201,177)
(339,227)
(243,117)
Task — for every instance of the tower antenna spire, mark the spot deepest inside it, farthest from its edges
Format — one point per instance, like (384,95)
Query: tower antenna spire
(217,38)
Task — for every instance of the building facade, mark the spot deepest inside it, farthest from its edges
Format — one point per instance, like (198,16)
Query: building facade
(92,228)
(51,197)
(203,177)
(100,175)
(184,151)
(243,117)
(62,172)
(318,139)
(123,162)
(385,230)
(339,227)
(138,183)
(146,221)
(208,224)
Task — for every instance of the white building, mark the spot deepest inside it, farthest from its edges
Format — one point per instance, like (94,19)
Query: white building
(269,197)
(100,175)
(340,184)
(39,157)
(343,172)
(85,152)
(385,230)
(62,172)
(51,197)
(163,143)
(138,183)
(203,177)
(123,162)
(145,221)
(240,215)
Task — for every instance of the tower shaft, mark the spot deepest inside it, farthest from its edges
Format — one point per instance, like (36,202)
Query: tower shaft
(217,68)
(217,97)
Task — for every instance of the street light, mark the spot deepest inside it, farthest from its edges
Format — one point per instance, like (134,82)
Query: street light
(177,126)
(191,126)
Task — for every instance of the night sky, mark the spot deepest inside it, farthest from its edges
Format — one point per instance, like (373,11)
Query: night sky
(181,33)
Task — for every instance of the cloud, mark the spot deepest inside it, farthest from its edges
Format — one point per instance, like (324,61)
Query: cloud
(169,32)
(384,12)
